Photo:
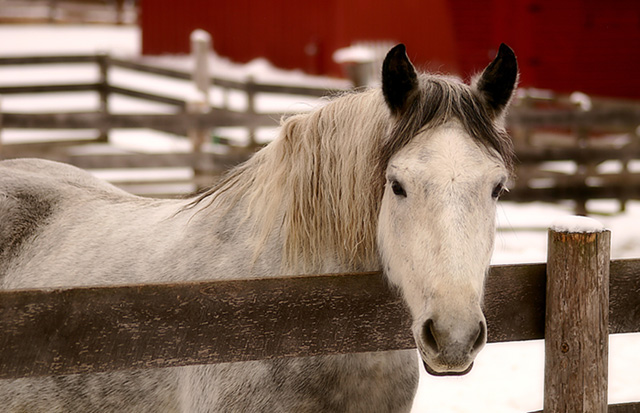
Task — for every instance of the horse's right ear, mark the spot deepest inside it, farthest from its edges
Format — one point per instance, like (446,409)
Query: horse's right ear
(399,79)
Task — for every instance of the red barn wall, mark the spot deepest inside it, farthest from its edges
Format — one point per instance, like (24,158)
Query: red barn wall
(587,45)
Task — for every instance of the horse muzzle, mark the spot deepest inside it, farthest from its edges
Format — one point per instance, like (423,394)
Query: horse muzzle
(446,373)
(447,352)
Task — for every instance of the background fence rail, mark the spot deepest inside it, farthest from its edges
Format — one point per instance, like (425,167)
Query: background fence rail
(183,122)
(546,130)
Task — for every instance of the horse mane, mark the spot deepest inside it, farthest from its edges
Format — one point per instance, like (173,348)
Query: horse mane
(322,179)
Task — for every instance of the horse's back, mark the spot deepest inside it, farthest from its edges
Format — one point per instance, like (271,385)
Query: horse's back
(33,192)
(40,177)
(36,192)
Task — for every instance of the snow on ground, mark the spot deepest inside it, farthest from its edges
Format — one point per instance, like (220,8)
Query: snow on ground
(507,377)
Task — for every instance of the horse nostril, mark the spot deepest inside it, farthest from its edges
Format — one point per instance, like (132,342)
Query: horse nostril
(481,338)
(428,335)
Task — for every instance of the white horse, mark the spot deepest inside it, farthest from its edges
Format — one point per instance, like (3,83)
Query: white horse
(403,179)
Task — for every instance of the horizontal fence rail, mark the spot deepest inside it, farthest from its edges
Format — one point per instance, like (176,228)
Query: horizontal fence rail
(67,120)
(178,121)
(167,72)
(558,192)
(617,408)
(94,329)
(50,59)
(600,118)
(75,87)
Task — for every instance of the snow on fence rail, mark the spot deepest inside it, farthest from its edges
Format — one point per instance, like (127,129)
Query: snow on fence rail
(95,329)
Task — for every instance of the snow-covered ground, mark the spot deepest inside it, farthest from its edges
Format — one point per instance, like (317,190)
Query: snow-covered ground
(506,378)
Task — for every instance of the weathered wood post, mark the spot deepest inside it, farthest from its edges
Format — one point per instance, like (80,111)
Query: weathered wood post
(200,47)
(0,124)
(584,170)
(104,91)
(119,11)
(577,317)
(251,110)
(199,103)
(585,167)
(626,176)
(197,106)
(53,6)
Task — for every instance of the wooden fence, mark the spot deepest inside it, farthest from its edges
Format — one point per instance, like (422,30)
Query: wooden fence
(550,130)
(96,329)
(184,122)
(546,130)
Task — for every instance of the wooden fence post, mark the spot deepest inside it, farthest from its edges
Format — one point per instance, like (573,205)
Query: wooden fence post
(584,169)
(626,177)
(103,68)
(200,47)
(577,317)
(199,104)
(0,125)
(53,5)
(251,110)
(196,107)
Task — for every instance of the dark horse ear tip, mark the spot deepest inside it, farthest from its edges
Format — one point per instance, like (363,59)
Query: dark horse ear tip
(396,51)
(508,57)
(399,78)
(399,48)
(507,54)
(505,50)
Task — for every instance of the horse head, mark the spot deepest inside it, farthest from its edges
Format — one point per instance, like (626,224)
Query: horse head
(436,225)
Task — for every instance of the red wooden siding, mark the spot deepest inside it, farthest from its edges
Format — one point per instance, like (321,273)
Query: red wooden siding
(587,45)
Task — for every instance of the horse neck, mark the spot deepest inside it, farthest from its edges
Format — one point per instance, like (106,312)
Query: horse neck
(225,243)
(313,190)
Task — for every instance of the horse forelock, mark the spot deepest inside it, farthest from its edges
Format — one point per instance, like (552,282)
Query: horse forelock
(441,99)
(320,182)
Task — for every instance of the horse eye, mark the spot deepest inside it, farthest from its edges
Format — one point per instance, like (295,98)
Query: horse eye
(397,189)
(497,191)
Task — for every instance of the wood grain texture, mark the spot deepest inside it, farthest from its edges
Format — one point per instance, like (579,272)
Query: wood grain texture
(64,331)
(624,296)
(576,322)
(618,408)
(99,329)
(170,122)
(624,408)
(514,302)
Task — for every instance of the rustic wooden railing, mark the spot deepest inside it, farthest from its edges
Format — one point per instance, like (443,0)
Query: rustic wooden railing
(180,122)
(188,119)
(552,128)
(95,329)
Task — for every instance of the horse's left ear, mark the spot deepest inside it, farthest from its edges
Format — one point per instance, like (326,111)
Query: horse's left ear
(399,79)
(497,83)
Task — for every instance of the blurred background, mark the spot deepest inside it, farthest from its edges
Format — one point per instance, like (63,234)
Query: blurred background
(161,97)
